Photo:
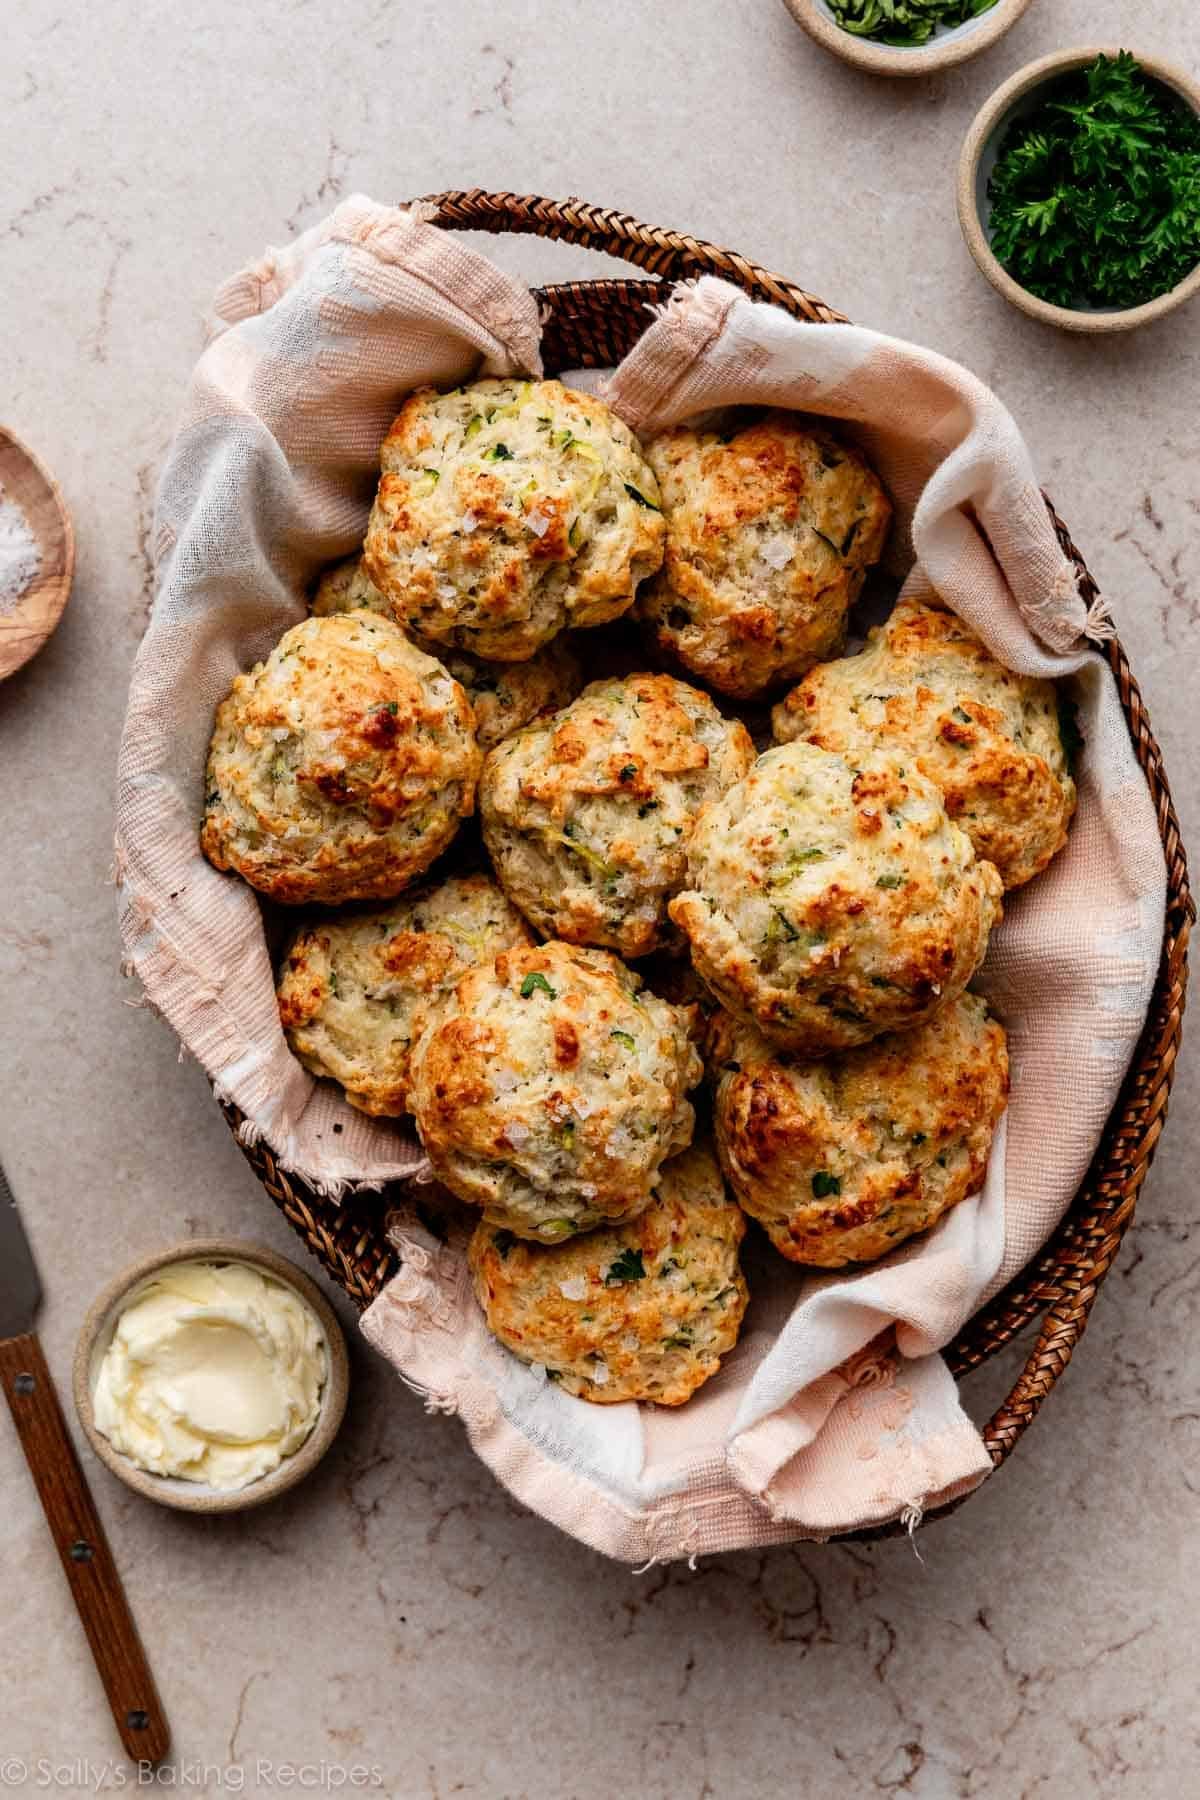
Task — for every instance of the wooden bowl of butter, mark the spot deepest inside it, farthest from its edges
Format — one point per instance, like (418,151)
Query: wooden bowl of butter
(211,1376)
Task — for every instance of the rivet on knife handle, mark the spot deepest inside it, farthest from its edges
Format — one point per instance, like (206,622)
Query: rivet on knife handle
(83,1548)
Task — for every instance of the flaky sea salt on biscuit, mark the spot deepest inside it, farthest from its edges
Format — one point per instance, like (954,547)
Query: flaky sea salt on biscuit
(552,1088)
(587,814)
(830,900)
(341,766)
(356,992)
(507,511)
(771,528)
(841,1159)
(991,740)
(639,1311)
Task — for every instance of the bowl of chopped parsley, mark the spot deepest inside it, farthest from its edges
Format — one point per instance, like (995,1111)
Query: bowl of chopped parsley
(1079,190)
(906,37)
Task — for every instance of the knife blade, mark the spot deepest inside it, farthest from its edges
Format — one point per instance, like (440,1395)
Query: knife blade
(20,1287)
(67,1502)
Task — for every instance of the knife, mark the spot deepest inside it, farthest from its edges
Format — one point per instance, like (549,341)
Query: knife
(68,1505)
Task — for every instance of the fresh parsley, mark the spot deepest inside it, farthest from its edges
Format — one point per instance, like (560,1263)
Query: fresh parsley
(904,21)
(824,1184)
(1095,195)
(629,1266)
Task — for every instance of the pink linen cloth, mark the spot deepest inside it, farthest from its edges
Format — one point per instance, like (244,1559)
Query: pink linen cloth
(835,1411)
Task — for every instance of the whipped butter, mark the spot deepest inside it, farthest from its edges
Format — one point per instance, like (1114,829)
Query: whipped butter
(214,1374)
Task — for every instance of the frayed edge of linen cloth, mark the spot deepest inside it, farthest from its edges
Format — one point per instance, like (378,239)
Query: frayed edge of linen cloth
(311,350)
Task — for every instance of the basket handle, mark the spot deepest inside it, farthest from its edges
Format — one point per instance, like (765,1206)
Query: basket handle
(670,255)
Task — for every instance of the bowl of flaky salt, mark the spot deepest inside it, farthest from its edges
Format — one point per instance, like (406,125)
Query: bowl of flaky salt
(37,554)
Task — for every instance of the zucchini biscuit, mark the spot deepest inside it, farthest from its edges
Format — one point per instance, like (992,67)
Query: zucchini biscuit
(770,532)
(844,1159)
(830,901)
(341,766)
(991,741)
(356,992)
(549,1091)
(587,815)
(503,696)
(640,1311)
(672,977)
(347,588)
(508,510)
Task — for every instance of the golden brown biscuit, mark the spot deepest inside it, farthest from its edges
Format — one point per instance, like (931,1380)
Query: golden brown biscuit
(549,1090)
(355,993)
(587,815)
(640,1311)
(672,976)
(340,767)
(347,588)
(770,532)
(503,696)
(508,510)
(989,739)
(842,1160)
(829,901)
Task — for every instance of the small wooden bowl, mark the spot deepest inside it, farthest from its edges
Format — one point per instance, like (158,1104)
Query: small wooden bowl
(941,52)
(191,1496)
(978,159)
(25,629)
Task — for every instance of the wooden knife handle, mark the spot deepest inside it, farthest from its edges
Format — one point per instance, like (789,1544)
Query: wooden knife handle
(86,1558)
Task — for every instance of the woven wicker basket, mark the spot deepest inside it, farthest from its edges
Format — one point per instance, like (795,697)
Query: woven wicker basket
(593,324)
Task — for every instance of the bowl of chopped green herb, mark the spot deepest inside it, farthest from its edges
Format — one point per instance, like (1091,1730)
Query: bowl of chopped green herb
(906,37)
(1079,190)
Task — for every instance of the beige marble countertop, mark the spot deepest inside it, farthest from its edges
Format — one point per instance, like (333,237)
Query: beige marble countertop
(398,1613)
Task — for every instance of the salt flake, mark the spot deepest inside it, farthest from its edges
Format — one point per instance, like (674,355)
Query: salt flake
(778,551)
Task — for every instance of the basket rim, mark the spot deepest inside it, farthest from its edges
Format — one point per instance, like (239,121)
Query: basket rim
(1061,1283)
